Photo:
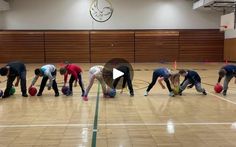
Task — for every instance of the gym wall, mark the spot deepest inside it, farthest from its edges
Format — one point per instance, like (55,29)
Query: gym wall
(229,45)
(128,14)
(140,31)
(100,46)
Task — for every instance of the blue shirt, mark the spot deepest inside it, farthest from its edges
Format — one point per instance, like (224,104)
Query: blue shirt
(193,77)
(162,72)
(16,68)
(230,69)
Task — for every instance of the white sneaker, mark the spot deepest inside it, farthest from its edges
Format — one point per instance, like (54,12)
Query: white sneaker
(146,93)
(171,94)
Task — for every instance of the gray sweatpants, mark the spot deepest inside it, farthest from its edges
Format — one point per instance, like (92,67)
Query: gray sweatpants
(197,86)
(227,80)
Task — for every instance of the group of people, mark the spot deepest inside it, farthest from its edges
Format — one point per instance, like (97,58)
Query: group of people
(191,78)
(17,70)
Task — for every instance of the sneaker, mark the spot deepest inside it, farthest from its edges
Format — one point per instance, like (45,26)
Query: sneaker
(146,93)
(131,94)
(180,92)
(204,92)
(69,93)
(39,94)
(171,94)
(25,95)
(106,95)
(5,96)
(56,94)
(224,92)
(85,98)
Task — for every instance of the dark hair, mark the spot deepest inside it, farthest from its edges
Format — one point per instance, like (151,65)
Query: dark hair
(222,72)
(37,71)
(182,71)
(62,70)
(3,71)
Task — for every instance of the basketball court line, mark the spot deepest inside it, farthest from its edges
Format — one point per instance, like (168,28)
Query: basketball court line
(222,98)
(219,97)
(121,124)
(95,124)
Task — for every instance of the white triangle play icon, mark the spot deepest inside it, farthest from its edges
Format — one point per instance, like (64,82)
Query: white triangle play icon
(117,73)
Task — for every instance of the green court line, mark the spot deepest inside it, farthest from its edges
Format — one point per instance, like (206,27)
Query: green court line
(95,124)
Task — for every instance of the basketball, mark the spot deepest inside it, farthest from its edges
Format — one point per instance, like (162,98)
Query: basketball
(218,88)
(32,91)
(176,90)
(112,93)
(65,90)
(12,91)
(1,93)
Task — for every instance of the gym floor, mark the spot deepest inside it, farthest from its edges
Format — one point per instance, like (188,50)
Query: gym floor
(157,120)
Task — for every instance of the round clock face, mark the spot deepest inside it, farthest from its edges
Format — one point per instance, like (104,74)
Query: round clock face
(101,11)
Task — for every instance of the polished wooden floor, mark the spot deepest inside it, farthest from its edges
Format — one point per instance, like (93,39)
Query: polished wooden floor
(191,120)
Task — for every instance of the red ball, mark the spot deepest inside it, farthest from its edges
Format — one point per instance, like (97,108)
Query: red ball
(32,91)
(218,88)
(1,93)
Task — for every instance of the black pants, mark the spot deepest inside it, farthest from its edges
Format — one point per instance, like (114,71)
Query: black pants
(72,79)
(10,81)
(154,80)
(44,82)
(126,79)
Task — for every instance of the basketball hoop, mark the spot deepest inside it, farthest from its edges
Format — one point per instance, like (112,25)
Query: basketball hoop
(223,28)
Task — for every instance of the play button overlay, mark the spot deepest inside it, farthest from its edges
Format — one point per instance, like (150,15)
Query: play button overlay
(116,73)
(117,69)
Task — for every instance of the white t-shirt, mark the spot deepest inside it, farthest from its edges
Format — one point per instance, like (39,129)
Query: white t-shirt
(47,70)
(96,70)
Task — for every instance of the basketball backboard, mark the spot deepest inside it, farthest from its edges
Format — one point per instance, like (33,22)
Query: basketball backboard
(227,22)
